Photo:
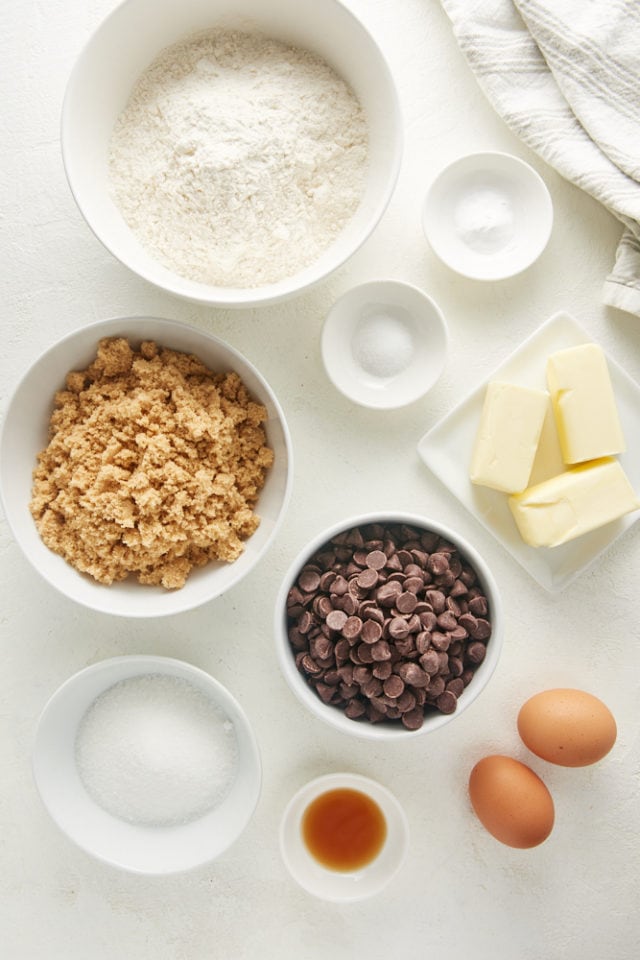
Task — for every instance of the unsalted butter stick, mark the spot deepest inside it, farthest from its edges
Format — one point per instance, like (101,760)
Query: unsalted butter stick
(573,503)
(584,404)
(507,437)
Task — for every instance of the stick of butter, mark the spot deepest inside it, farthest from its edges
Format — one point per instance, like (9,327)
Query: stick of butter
(584,404)
(573,503)
(507,437)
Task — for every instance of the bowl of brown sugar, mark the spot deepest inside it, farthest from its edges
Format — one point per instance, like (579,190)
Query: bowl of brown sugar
(145,466)
(388,625)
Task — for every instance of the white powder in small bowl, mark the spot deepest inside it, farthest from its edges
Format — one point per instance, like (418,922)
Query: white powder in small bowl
(382,345)
(485,220)
(155,750)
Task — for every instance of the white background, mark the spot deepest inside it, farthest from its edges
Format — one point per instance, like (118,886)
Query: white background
(460,894)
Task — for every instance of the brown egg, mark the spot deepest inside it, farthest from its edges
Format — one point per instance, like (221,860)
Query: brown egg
(568,727)
(511,801)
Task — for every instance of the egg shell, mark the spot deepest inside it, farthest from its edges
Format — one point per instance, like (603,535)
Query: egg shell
(511,801)
(567,727)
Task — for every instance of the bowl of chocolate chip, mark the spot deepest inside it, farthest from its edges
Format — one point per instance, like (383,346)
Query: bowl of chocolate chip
(388,625)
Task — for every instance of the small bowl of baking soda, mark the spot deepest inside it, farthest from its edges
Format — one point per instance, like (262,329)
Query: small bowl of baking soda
(147,763)
(384,344)
(488,216)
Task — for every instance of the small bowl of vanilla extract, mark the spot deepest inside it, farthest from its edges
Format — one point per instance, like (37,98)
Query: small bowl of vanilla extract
(343,837)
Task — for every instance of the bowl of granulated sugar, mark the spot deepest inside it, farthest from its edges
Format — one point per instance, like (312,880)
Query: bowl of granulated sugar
(240,152)
(147,763)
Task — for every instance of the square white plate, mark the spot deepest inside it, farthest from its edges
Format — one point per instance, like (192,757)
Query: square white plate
(446,450)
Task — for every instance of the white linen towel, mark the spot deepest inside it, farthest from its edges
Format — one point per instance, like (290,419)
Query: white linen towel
(565,76)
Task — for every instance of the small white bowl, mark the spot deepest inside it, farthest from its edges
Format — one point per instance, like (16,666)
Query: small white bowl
(387,731)
(139,849)
(25,434)
(334,885)
(384,344)
(488,216)
(134,33)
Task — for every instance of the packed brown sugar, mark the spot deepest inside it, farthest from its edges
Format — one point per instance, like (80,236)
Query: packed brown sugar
(154,466)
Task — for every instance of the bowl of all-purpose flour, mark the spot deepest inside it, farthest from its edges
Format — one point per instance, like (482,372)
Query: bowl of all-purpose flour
(231,152)
(147,763)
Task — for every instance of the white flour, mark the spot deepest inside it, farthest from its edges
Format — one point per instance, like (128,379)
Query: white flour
(238,159)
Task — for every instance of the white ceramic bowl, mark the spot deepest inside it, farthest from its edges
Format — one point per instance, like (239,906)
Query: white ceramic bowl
(135,33)
(336,886)
(146,850)
(384,344)
(387,731)
(24,435)
(488,216)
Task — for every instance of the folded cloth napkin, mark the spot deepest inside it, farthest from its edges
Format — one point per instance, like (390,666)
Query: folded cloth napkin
(565,76)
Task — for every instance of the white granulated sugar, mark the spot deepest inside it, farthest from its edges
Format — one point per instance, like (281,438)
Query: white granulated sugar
(238,159)
(154,750)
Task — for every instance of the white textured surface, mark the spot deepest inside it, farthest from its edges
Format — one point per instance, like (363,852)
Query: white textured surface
(460,893)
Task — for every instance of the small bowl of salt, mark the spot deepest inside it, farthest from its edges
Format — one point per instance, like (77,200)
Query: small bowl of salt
(384,344)
(147,763)
(488,216)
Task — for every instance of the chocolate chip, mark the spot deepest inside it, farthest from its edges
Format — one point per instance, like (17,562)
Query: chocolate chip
(339,586)
(437,600)
(382,669)
(320,647)
(447,702)
(325,692)
(380,650)
(406,701)
(310,666)
(413,675)
(476,652)
(305,622)
(440,641)
(482,629)
(428,619)
(373,613)
(309,579)
(406,602)
(447,621)
(398,628)
(345,673)
(322,606)
(387,594)
(364,652)
(455,686)
(413,719)
(376,559)
(355,709)
(371,631)
(372,688)
(336,619)
(422,641)
(430,662)
(437,564)
(367,579)
(478,606)
(393,686)
(352,627)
